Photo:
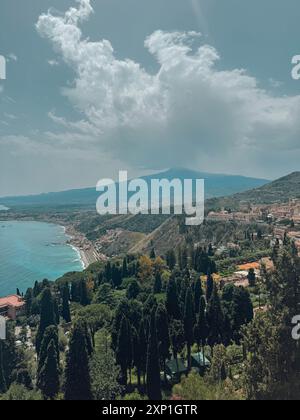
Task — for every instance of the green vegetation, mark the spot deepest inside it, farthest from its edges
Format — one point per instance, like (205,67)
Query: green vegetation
(159,327)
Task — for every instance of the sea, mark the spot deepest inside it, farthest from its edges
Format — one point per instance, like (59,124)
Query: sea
(31,251)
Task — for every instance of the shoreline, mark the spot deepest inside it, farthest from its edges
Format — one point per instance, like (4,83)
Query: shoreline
(74,239)
(84,248)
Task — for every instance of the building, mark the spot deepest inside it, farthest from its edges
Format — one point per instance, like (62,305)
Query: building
(200,362)
(12,306)
(175,369)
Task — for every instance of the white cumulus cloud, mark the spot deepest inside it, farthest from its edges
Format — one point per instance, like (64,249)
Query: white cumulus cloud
(190,112)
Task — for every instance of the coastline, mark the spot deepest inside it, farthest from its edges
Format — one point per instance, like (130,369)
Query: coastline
(84,248)
(77,240)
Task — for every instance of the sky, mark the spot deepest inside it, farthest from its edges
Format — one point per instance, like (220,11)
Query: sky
(98,86)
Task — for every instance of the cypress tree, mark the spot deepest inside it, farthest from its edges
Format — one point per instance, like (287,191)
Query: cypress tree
(171,259)
(172,303)
(51,334)
(251,277)
(28,300)
(215,318)
(75,291)
(198,293)
(49,374)
(125,268)
(201,329)
(189,321)
(136,355)
(184,258)
(157,284)
(36,289)
(153,370)
(47,316)
(77,375)
(3,387)
(163,336)
(65,303)
(223,374)
(122,354)
(129,350)
(210,251)
(122,309)
(142,349)
(56,311)
(209,286)
(152,254)
(84,299)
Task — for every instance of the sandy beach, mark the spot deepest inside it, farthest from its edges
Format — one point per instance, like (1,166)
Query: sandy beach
(83,246)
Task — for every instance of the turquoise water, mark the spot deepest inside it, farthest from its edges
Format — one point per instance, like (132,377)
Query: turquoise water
(31,251)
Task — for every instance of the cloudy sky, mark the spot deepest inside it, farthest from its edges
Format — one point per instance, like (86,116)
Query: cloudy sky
(97,86)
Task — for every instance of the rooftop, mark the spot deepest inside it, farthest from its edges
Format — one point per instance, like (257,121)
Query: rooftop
(12,300)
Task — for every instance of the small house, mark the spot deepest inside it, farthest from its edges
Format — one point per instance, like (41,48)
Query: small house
(200,362)
(175,369)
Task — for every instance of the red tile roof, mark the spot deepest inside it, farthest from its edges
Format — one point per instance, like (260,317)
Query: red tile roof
(12,300)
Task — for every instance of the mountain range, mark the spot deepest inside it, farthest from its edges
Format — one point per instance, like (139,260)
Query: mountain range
(216,185)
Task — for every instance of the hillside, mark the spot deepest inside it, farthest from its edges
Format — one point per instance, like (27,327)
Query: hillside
(216,185)
(278,191)
(115,235)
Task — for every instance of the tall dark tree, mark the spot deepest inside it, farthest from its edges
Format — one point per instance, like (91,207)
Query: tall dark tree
(84,297)
(75,291)
(171,259)
(130,355)
(122,311)
(215,318)
(152,254)
(123,356)
(51,334)
(172,303)
(177,338)
(56,311)
(49,375)
(238,307)
(3,387)
(66,314)
(116,276)
(36,289)
(251,277)
(183,258)
(153,369)
(210,251)
(201,329)
(163,336)
(28,301)
(47,316)
(125,268)
(189,322)
(209,286)
(133,290)
(157,283)
(9,353)
(140,350)
(77,375)
(198,292)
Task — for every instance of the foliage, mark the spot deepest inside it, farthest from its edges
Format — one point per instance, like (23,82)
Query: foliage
(104,371)
(196,388)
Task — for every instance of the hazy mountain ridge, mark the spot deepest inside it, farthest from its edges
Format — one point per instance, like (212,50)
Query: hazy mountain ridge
(216,185)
